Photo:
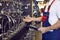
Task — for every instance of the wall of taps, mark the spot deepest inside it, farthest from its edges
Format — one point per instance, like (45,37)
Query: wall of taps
(11,14)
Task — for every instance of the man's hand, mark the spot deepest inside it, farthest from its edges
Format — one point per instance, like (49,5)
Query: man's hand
(43,29)
(27,19)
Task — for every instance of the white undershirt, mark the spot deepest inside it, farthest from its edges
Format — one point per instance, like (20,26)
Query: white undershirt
(54,12)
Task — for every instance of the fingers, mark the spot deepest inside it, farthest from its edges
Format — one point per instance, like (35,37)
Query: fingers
(27,20)
(27,17)
(39,29)
(42,30)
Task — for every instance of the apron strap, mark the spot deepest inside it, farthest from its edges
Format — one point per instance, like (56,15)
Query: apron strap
(44,17)
(50,5)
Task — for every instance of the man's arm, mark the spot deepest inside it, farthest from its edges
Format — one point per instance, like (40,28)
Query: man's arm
(45,29)
(37,19)
(29,19)
(55,26)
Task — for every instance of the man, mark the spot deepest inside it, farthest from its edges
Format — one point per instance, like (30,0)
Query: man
(51,24)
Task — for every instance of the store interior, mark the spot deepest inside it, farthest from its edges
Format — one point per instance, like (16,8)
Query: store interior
(12,26)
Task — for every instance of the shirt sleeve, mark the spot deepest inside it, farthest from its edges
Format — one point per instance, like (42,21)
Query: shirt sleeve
(58,9)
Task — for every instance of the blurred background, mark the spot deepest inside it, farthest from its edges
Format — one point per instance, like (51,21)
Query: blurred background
(12,12)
